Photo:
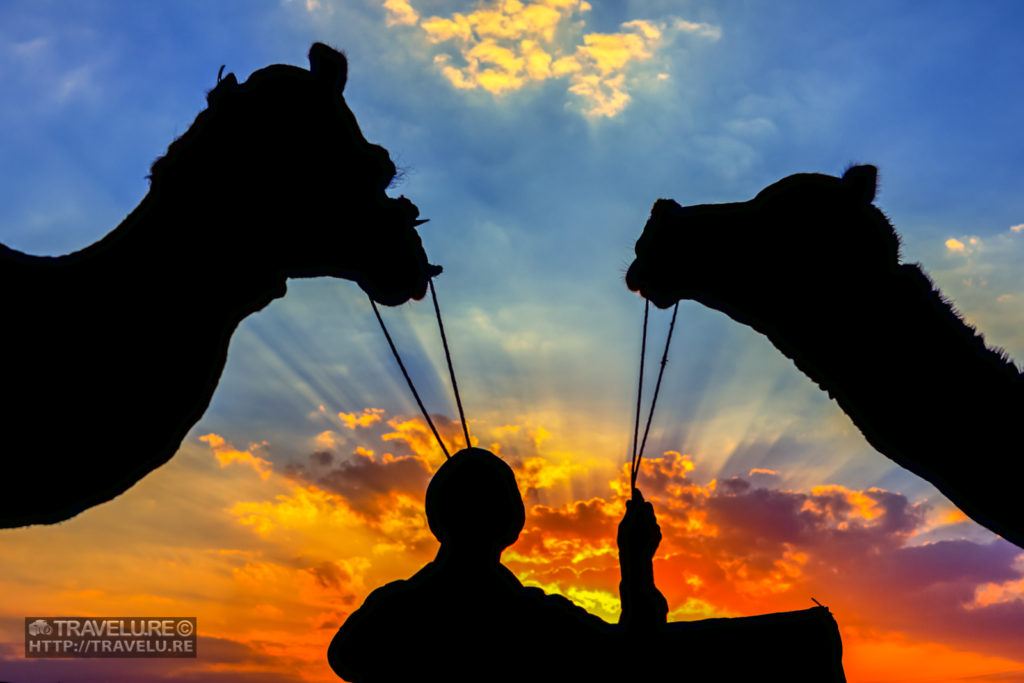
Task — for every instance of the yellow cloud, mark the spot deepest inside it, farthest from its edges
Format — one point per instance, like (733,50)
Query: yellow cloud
(507,44)
(695,608)
(401,13)
(538,472)
(609,52)
(565,65)
(306,508)
(953,244)
(506,20)
(606,97)
(502,70)
(536,61)
(439,29)
(456,77)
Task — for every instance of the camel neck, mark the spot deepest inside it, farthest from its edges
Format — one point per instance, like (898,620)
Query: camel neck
(192,252)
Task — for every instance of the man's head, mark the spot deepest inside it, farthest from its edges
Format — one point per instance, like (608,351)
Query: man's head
(473,502)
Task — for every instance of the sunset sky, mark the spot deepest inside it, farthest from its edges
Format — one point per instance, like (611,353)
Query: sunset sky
(535,135)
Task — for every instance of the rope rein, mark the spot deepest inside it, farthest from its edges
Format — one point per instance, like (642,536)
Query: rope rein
(408,379)
(639,396)
(451,368)
(639,454)
(638,443)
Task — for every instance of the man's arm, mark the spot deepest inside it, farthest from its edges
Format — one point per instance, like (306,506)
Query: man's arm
(643,605)
(359,652)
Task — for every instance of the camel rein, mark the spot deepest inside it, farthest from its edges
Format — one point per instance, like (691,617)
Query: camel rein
(638,454)
(451,371)
(638,443)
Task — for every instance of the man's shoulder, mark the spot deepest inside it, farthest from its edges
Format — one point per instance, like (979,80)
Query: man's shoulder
(389,589)
(390,594)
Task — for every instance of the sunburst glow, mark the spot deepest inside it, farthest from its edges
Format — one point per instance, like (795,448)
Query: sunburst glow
(535,135)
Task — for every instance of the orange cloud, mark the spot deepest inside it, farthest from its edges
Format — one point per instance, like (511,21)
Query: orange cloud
(227,454)
(415,434)
(730,546)
(273,570)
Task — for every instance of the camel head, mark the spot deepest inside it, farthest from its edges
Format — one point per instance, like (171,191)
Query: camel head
(297,189)
(788,242)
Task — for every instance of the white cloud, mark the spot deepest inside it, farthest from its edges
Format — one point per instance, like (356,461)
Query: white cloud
(698,28)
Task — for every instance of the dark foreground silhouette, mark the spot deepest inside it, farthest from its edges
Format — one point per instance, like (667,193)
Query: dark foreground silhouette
(113,352)
(812,264)
(465,617)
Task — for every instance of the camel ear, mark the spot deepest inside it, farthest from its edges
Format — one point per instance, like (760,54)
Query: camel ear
(862,181)
(224,86)
(664,207)
(329,66)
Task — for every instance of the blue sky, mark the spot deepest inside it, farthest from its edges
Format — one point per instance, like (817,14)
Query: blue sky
(534,203)
(536,198)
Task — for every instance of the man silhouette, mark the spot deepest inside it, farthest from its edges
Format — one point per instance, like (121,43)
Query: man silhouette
(465,617)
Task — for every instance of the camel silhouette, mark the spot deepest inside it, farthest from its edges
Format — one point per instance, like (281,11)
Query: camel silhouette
(812,264)
(113,352)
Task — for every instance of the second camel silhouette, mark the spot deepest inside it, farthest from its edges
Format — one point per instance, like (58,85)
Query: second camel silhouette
(812,264)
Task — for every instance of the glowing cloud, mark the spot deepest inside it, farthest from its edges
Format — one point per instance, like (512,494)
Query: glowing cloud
(297,548)
(368,417)
(953,244)
(507,44)
(227,454)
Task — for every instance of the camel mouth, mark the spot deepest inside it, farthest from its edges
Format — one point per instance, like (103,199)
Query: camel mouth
(404,213)
(638,280)
(643,278)
(399,270)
